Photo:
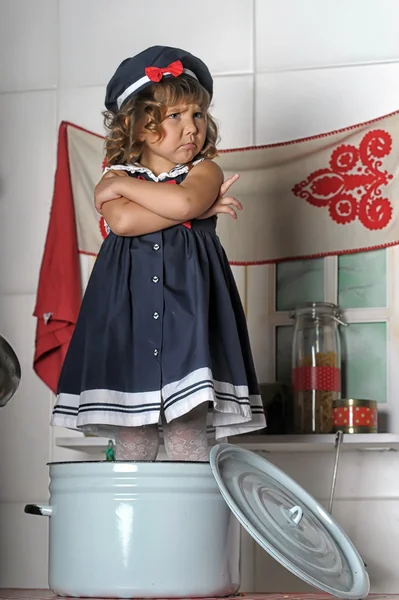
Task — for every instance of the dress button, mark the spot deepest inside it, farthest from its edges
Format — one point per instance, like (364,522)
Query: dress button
(155,247)
(156,352)
(155,279)
(155,315)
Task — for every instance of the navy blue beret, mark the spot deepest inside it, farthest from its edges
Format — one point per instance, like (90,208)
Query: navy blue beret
(136,73)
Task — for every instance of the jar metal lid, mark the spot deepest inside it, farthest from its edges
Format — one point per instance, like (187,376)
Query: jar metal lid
(348,402)
(317,309)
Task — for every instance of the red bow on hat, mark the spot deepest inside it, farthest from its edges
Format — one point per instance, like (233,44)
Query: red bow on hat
(156,73)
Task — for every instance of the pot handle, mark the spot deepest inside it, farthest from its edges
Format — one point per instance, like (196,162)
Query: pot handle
(39,509)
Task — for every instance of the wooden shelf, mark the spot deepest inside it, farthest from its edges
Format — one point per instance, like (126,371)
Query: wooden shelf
(378,442)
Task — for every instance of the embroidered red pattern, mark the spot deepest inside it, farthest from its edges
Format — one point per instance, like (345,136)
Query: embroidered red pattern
(351,187)
(316,378)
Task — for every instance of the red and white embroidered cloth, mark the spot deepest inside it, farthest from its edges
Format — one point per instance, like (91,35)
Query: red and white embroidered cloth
(329,194)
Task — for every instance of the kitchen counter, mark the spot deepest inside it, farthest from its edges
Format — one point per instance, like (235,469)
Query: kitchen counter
(25,594)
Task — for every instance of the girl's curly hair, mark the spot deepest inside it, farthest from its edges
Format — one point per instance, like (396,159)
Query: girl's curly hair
(121,143)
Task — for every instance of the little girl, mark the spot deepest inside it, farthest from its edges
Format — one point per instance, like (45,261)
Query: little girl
(161,334)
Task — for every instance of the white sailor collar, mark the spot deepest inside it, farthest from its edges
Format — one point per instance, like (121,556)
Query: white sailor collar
(137,168)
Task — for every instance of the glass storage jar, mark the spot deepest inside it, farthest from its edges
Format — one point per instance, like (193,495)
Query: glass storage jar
(316,366)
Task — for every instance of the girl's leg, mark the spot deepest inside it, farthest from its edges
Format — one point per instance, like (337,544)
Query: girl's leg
(185,437)
(136,443)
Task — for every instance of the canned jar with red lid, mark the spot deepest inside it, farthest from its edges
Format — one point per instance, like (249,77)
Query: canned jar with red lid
(353,415)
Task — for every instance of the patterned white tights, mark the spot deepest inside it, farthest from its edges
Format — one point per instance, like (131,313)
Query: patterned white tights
(136,443)
(185,438)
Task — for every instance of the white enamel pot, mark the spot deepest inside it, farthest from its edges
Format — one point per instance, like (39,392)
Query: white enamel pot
(139,530)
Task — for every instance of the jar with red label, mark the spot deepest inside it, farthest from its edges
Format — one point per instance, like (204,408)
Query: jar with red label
(316,366)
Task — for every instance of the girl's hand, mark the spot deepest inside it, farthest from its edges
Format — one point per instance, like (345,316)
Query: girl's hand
(224,204)
(103,191)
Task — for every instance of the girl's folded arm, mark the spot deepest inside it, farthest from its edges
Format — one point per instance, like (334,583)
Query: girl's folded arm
(126,218)
(181,202)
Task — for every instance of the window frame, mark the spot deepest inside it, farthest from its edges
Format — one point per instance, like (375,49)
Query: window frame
(260,304)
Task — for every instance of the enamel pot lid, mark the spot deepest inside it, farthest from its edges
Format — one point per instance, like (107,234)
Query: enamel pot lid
(289,523)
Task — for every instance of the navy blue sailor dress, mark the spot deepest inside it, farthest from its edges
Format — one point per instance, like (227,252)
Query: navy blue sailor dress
(161,328)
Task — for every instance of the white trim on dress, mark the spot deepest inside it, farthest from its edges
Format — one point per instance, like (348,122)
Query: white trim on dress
(137,168)
(234,410)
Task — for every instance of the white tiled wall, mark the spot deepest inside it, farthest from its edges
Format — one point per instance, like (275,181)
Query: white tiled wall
(282,70)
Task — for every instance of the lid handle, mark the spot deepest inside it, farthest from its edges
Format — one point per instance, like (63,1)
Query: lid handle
(296,514)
